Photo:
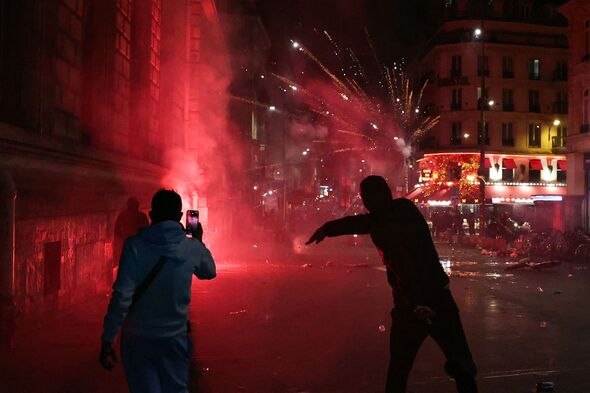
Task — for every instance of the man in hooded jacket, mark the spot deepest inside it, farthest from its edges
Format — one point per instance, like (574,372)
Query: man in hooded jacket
(423,304)
(155,347)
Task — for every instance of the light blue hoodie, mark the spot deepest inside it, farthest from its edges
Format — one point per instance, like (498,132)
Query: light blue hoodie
(162,310)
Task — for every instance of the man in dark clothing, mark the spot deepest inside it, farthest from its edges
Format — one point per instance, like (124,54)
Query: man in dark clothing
(423,304)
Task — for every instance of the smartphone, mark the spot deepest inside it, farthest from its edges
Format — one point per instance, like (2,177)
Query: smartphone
(192,220)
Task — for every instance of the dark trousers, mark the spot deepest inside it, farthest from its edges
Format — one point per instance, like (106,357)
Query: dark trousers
(156,365)
(408,333)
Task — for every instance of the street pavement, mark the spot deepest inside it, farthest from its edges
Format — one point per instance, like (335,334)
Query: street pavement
(316,319)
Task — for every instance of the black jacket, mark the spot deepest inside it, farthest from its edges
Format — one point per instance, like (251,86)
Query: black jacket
(403,239)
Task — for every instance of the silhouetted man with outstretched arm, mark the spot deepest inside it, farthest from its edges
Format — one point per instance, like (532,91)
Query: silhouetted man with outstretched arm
(423,304)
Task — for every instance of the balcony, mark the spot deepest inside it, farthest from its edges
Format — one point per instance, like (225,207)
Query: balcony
(560,107)
(584,128)
(534,108)
(557,142)
(508,142)
(455,106)
(507,74)
(509,107)
(534,76)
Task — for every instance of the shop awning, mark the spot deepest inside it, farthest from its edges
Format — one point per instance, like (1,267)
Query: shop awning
(417,195)
(508,163)
(535,164)
(562,164)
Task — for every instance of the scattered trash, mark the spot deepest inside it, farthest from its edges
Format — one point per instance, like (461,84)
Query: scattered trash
(204,370)
(382,328)
(306,265)
(243,311)
(543,325)
(539,289)
(543,387)
(570,275)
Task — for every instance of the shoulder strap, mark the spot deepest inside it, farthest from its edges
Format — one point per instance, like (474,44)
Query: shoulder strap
(141,288)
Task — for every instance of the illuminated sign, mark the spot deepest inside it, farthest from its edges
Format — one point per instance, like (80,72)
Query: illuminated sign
(426,174)
(547,198)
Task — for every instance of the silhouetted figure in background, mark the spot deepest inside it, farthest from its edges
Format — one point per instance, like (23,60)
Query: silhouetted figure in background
(423,304)
(128,223)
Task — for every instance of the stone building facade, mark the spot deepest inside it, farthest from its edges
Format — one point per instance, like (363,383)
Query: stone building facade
(578,14)
(509,59)
(93,95)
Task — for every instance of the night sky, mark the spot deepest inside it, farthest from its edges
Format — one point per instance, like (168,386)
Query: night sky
(398,27)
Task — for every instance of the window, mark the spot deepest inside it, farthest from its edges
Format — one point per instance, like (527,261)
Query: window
(67,67)
(585,111)
(507,100)
(482,100)
(155,49)
(560,104)
(482,66)
(535,69)
(534,103)
(507,67)
(507,135)
(534,135)
(456,131)
(560,137)
(122,71)
(586,56)
(456,99)
(485,134)
(560,73)
(456,65)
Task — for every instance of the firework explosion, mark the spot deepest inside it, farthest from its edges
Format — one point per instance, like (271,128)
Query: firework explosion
(379,114)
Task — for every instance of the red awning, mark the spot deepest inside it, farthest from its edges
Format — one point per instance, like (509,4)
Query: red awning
(487,164)
(509,163)
(562,164)
(417,195)
(535,164)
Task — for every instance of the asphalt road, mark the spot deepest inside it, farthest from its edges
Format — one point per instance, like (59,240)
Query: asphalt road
(296,319)
(319,322)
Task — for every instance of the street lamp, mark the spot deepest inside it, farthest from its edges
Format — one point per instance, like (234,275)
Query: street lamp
(556,123)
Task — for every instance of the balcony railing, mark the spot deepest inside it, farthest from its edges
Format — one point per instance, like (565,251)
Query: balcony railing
(455,73)
(557,141)
(534,108)
(560,107)
(508,107)
(486,140)
(485,72)
(455,106)
(534,76)
(507,74)
(507,142)
(456,141)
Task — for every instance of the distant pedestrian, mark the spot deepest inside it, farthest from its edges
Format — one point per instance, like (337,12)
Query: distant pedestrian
(150,300)
(128,223)
(423,304)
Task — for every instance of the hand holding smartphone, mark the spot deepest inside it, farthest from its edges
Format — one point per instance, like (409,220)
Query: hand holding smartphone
(192,222)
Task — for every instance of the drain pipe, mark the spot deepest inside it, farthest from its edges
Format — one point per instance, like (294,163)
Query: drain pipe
(7,249)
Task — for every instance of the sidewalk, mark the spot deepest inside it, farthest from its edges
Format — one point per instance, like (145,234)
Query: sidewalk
(60,355)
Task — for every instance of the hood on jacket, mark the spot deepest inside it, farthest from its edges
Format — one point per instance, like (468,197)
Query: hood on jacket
(165,237)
